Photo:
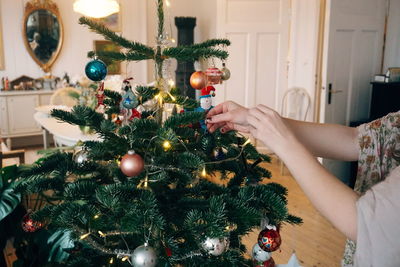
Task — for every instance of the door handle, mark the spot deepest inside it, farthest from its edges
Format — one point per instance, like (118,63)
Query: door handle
(330,92)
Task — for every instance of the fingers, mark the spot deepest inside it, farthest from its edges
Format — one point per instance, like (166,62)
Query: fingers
(253,121)
(265,109)
(216,110)
(258,113)
(213,127)
(219,118)
(232,126)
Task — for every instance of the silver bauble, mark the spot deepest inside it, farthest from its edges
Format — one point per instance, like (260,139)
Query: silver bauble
(144,256)
(226,73)
(259,254)
(81,157)
(216,246)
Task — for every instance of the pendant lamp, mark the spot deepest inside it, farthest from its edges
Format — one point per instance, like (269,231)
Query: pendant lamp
(96,8)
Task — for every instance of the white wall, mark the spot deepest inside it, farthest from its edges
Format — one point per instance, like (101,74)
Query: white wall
(78,40)
(392,52)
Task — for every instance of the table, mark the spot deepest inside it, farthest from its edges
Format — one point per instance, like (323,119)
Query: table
(64,133)
(385,99)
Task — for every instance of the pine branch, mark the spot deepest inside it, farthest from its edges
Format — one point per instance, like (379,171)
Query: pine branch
(112,95)
(110,56)
(183,119)
(146,93)
(184,101)
(210,43)
(294,219)
(189,54)
(190,160)
(114,37)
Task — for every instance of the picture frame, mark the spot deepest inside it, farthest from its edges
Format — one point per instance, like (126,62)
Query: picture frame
(104,45)
(394,74)
(113,22)
(2,60)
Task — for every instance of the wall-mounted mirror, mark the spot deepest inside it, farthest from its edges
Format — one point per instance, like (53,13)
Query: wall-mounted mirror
(43,32)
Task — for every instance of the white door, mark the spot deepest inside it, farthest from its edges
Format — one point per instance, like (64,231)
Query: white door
(259,32)
(354,49)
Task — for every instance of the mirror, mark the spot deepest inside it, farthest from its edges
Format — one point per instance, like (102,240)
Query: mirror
(43,32)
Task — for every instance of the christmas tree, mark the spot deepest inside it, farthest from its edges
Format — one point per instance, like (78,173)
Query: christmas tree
(143,194)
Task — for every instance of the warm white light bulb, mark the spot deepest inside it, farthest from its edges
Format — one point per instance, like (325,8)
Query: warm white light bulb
(96,8)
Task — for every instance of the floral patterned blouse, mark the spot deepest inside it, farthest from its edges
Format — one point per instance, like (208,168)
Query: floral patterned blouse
(379,154)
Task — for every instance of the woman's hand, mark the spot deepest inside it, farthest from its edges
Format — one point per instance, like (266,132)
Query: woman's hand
(227,116)
(268,126)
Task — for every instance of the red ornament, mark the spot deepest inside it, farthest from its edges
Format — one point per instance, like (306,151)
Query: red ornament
(214,76)
(29,225)
(269,240)
(100,95)
(268,263)
(168,251)
(135,114)
(198,80)
(132,164)
(209,90)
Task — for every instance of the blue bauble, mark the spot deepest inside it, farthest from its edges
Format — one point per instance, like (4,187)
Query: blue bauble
(96,70)
(129,100)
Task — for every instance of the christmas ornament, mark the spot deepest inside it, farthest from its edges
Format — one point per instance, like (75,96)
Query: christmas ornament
(96,70)
(209,90)
(213,76)
(117,119)
(198,80)
(29,225)
(269,239)
(259,254)
(135,114)
(132,164)
(81,157)
(219,154)
(268,263)
(144,256)
(129,99)
(215,246)
(226,73)
(168,251)
(293,262)
(100,95)
(205,103)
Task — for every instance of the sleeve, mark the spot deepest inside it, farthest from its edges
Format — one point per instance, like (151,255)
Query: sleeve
(378,221)
(378,140)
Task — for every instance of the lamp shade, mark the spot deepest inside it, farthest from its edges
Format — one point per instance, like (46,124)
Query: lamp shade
(96,8)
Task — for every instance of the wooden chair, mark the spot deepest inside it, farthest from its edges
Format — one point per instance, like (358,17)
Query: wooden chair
(62,97)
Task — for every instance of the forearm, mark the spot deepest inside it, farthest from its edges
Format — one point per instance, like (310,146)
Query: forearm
(332,198)
(326,140)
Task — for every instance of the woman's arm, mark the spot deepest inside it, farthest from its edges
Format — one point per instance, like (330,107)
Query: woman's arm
(327,140)
(323,140)
(332,198)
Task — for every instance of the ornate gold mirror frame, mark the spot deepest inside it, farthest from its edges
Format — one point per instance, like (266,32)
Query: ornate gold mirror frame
(42,5)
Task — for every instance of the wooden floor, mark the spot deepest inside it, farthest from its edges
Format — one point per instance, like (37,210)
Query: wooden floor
(316,242)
